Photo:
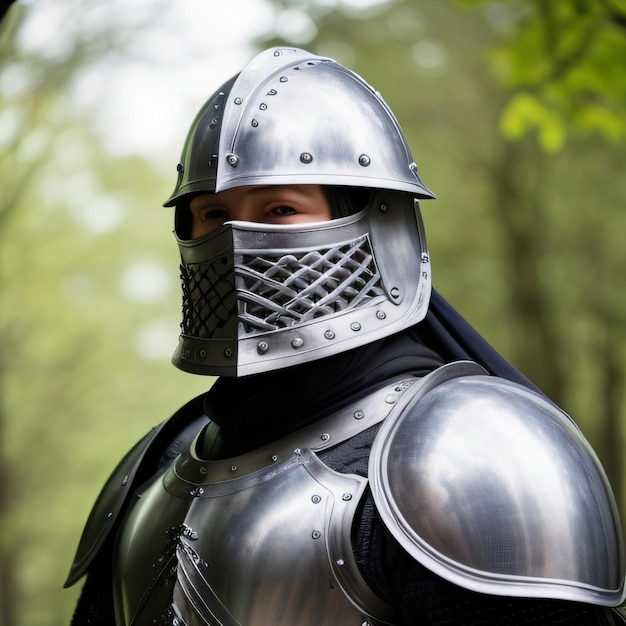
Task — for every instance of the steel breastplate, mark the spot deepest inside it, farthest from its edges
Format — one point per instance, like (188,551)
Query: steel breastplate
(259,539)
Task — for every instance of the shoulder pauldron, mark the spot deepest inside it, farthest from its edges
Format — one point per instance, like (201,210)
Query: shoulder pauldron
(492,487)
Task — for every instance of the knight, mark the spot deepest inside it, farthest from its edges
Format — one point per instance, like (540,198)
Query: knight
(364,457)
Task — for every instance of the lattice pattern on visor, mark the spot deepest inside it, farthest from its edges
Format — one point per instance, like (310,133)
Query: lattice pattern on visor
(279,290)
(209,301)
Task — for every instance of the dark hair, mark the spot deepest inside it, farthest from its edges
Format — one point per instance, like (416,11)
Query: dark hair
(345,201)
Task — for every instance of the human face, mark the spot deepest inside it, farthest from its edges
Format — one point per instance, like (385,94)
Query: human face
(266,204)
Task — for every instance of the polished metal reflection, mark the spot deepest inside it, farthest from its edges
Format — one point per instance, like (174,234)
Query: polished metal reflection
(315,121)
(270,547)
(293,117)
(258,297)
(494,488)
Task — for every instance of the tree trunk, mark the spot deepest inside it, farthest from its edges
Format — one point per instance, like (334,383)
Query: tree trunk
(518,208)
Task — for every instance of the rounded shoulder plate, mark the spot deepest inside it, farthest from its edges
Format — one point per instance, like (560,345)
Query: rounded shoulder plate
(492,487)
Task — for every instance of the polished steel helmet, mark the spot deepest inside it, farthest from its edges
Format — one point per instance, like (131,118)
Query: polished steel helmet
(291,117)
(258,297)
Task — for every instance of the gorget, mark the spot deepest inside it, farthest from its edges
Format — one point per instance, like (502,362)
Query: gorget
(262,538)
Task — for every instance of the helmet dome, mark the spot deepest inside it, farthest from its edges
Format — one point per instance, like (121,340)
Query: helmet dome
(292,117)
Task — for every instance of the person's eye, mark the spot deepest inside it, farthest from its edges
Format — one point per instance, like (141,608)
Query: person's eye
(208,215)
(280,211)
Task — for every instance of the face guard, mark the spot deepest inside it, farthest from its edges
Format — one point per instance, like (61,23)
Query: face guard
(260,297)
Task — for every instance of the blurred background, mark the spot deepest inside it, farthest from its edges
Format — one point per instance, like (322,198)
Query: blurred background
(516,114)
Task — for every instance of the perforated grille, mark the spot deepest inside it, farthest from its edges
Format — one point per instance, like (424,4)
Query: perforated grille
(278,291)
(209,300)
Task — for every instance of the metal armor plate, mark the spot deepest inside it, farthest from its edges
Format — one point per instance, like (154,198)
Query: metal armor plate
(494,488)
(268,548)
(263,538)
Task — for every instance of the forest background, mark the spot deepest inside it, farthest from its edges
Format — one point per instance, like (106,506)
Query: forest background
(516,114)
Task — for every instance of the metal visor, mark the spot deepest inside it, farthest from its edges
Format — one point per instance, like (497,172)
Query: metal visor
(258,297)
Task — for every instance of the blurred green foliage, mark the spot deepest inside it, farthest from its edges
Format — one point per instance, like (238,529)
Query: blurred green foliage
(89,313)
(515,113)
(563,63)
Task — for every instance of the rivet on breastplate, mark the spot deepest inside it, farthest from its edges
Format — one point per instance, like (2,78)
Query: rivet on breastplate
(187,531)
(262,347)
(346,497)
(283,79)
(305,157)
(238,100)
(233,468)
(340,562)
(196,491)
(391,398)
(364,160)
(329,334)
(359,415)
(297,342)
(381,315)
(325,437)
(316,499)
(355,326)
(232,160)
(125,481)
(203,470)
(316,534)
(404,385)
(274,458)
